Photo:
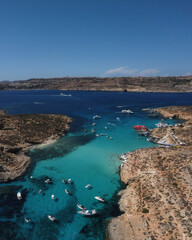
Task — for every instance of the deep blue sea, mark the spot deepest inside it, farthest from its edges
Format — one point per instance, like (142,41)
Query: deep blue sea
(81,156)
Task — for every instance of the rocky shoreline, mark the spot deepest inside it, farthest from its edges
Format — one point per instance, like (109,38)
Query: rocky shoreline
(156,203)
(127,84)
(19,133)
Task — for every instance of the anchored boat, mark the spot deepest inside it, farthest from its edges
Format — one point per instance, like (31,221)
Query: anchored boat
(88,212)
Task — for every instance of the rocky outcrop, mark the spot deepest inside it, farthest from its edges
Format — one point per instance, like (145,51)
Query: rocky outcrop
(18,133)
(130,84)
(156,203)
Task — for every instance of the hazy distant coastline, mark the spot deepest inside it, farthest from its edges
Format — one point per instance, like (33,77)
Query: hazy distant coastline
(129,84)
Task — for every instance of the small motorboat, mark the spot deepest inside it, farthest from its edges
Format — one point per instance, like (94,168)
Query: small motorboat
(69,180)
(67,192)
(63,180)
(65,95)
(88,212)
(100,199)
(19,197)
(52,197)
(40,191)
(88,186)
(96,117)
(94,124)
(51,218)
(27,219)
(127,111)
(48,180)
(81,207)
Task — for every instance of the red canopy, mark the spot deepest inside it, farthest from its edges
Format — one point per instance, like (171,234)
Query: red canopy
(139,127)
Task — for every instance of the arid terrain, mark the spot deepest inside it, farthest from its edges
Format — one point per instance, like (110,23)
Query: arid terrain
(18,133)
(129,84)
(157,201)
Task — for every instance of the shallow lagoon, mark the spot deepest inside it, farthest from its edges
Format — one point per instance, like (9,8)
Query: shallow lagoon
(81,156)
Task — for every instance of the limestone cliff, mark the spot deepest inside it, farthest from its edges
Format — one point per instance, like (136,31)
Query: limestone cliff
(156,203)
(18,133)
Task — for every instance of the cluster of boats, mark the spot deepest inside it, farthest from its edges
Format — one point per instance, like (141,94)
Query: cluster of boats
(84,211)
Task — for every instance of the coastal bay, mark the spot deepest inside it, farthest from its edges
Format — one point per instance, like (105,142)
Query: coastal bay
(87,154)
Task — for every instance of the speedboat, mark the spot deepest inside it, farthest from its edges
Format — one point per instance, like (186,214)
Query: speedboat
(69,180)
(48,180)
(52,197)
(27,219)
(63,180)
(88,186)
(127,111)
(94,124)
(81,207)
(19,197)
(88,212)
(51,218)
(67,192)
(100,199)
(96,117)
(65,95)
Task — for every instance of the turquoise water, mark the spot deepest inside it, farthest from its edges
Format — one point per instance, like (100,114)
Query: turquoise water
(81,156)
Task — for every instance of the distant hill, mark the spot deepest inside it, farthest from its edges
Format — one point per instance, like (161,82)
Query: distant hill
(130,84)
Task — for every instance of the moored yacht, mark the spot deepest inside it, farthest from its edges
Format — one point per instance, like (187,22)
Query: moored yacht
(100,199)
(19,197)
(51,218)
(27,219)
(81,207)
(88,212)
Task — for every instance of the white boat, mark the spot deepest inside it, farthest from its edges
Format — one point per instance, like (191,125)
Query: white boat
(94,124)
(96,117)
(19,197)
(27,219)
(127,111)
(81,207)
(88,212)
(69,180)
(40,191)
(52,197)
(51,218)
(67,192)
(88,186)
(48,180)
(161,124)
(65,95)
(100,199)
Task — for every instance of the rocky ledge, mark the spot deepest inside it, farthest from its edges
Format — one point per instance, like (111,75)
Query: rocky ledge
(156,203)
(19,133)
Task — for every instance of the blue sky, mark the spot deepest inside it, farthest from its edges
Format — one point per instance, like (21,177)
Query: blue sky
(57,38)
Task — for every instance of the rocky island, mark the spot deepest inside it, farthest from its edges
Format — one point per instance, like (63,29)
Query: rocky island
(19,133)
(156,203)
(127,84)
